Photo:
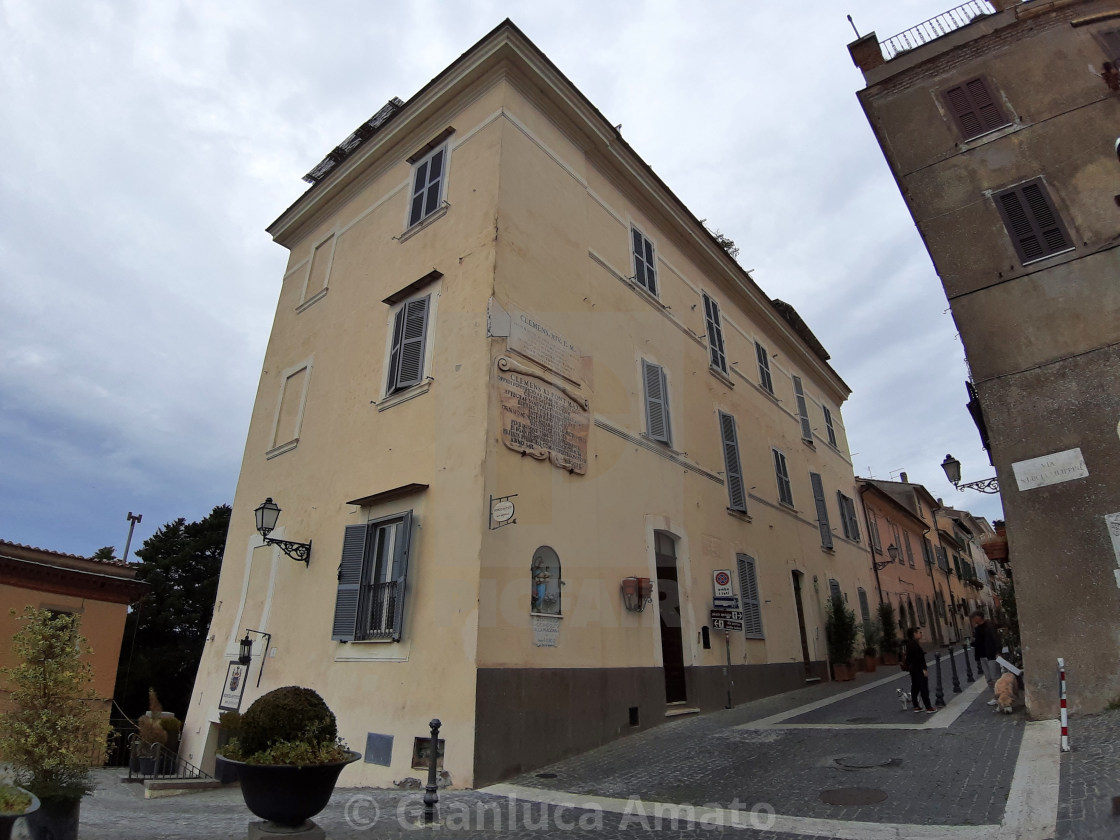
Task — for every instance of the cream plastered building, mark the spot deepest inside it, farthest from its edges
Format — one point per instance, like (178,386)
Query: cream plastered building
(511,379)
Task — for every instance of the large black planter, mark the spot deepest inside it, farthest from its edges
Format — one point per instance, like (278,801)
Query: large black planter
(8,820)
(225,771)
(288,795)
(57,820)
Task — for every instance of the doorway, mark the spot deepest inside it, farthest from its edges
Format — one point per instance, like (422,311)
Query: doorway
(797,576)
(669,609)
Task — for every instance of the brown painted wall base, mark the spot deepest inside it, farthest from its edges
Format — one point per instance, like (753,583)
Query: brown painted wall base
(529,717)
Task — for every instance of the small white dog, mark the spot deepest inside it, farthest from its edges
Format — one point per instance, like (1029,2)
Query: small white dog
(904,699)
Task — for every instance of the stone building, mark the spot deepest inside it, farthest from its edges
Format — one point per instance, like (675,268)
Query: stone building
(999,123)
(533,419)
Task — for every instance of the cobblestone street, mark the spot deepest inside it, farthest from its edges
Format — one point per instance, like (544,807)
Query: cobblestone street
(831,760)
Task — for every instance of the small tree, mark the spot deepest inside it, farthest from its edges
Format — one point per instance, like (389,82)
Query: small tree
(841,631)
(53,729)
(890,627)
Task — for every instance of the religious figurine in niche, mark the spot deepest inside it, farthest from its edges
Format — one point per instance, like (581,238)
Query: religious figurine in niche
(542,600)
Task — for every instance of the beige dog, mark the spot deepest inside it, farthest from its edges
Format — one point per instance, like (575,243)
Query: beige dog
(1005,689)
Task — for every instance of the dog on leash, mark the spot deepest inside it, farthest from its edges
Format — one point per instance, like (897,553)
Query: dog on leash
(904,699)
(1005,689)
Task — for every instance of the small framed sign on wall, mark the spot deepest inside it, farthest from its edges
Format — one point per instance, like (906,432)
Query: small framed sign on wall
(234,688)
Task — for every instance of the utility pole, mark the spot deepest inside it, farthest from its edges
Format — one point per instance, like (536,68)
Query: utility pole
(132,521)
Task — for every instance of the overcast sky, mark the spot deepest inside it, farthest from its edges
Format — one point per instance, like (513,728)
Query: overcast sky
(145,147)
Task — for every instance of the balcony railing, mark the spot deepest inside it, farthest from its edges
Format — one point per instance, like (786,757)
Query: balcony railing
(934,28)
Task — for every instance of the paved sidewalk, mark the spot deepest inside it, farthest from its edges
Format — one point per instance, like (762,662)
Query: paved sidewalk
(779,768)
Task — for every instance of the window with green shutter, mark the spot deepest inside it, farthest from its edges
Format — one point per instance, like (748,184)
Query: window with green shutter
(406,353)
(737,497)
(369,600)
(822,509)
(752,601)
(657,403)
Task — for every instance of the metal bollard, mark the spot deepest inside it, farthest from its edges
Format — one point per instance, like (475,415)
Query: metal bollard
(953,668)
(431,791)
(940,699)
(968,663)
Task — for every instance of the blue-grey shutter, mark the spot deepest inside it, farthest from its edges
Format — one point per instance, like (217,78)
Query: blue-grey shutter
(400,573)
(349,584)
(828,425)
(822,509)
(657,403)
(752,602)
(435,181)
(854,519)
(763,368)
(419,186)
(802,409)
(410,349)
(717,358)
(737,498)
(927,551)
(864,611)
(834,589)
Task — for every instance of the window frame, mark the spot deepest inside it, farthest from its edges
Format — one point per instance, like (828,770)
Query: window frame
(848,518)
(732,462)
(765,378)
(396,360)
(362,569)
(781,475)
(717,354)
(645,272)
(654,375)
(829,428)
(1029,228)
(421,167)
(977,100)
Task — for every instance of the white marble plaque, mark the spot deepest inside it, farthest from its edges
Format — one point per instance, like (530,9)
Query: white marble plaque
(532,339)
(546,630)
(1050,469)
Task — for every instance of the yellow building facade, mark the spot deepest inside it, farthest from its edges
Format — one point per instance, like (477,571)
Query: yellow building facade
(536,424)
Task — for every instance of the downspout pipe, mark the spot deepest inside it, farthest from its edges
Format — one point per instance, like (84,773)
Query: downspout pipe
(870,544)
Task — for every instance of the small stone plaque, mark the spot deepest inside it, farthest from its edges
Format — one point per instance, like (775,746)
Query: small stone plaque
(546,630)
(379,749)
(1050,469)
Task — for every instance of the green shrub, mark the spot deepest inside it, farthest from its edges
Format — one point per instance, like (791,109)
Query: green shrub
(289,725)
(889,625)
(13,800)
(230,722)
(841,631)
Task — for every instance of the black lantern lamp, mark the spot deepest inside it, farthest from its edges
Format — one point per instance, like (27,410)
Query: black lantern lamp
(266,515)
(892,552)
(952,469)
(245,654)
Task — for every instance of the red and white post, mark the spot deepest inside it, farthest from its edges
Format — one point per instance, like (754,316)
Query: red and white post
(1062,700)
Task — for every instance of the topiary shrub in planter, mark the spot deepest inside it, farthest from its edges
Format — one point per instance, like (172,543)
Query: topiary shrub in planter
(288,756)
(888,649)
(841,632)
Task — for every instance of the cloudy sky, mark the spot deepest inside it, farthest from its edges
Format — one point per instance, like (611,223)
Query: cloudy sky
(147,145)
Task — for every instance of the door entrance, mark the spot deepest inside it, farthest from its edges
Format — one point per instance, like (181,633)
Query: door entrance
(801,622)
(669,608)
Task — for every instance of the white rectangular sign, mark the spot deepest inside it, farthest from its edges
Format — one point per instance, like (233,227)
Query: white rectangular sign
(1112,522)
(721,583)
(1050,469)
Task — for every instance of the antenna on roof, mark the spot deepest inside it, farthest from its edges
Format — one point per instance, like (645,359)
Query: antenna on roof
(852,22)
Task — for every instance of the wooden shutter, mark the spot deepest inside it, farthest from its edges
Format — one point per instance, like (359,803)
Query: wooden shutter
(752,602)
(974,108)
(828,425)
(864,611)
(657,402)
(400,573)
(716,355)
(1032,222)
(834,589)
(802,409)
(348,596)
(822,509)
(927,551)
(852,518)
(764,378)
(909,550)
(737,497)
(406,356)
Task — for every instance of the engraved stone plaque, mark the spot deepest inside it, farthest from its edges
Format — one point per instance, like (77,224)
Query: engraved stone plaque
(532,339)
(542,419)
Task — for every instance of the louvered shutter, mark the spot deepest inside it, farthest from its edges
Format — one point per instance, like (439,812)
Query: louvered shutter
(348,597)
(864,611)
(657,404)
(748,591)
(852,518)
(419,186)
(822,509)
(764,378)
(737,497)
(406,357)
(845,520)
(974,108)
(435,180)
(400,573)
(927,551)
(802,409)
(909,550)
(834,589)
(716,356)
(1032,222)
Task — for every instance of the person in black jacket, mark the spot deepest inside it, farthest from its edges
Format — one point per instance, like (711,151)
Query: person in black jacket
(916,665)
(986,647)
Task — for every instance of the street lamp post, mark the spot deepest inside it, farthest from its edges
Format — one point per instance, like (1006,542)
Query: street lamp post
(952,469)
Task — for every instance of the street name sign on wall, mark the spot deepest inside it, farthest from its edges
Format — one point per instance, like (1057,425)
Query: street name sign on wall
(1050,469)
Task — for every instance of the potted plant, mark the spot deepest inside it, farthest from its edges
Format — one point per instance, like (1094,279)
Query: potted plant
(872,638)
(229,727)
(888,646)
(288,756)
(841,632)
(53,729)
(150,738)
(15,802)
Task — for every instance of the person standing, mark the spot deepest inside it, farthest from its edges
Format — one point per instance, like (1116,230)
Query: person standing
(985,648)
(919,674)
